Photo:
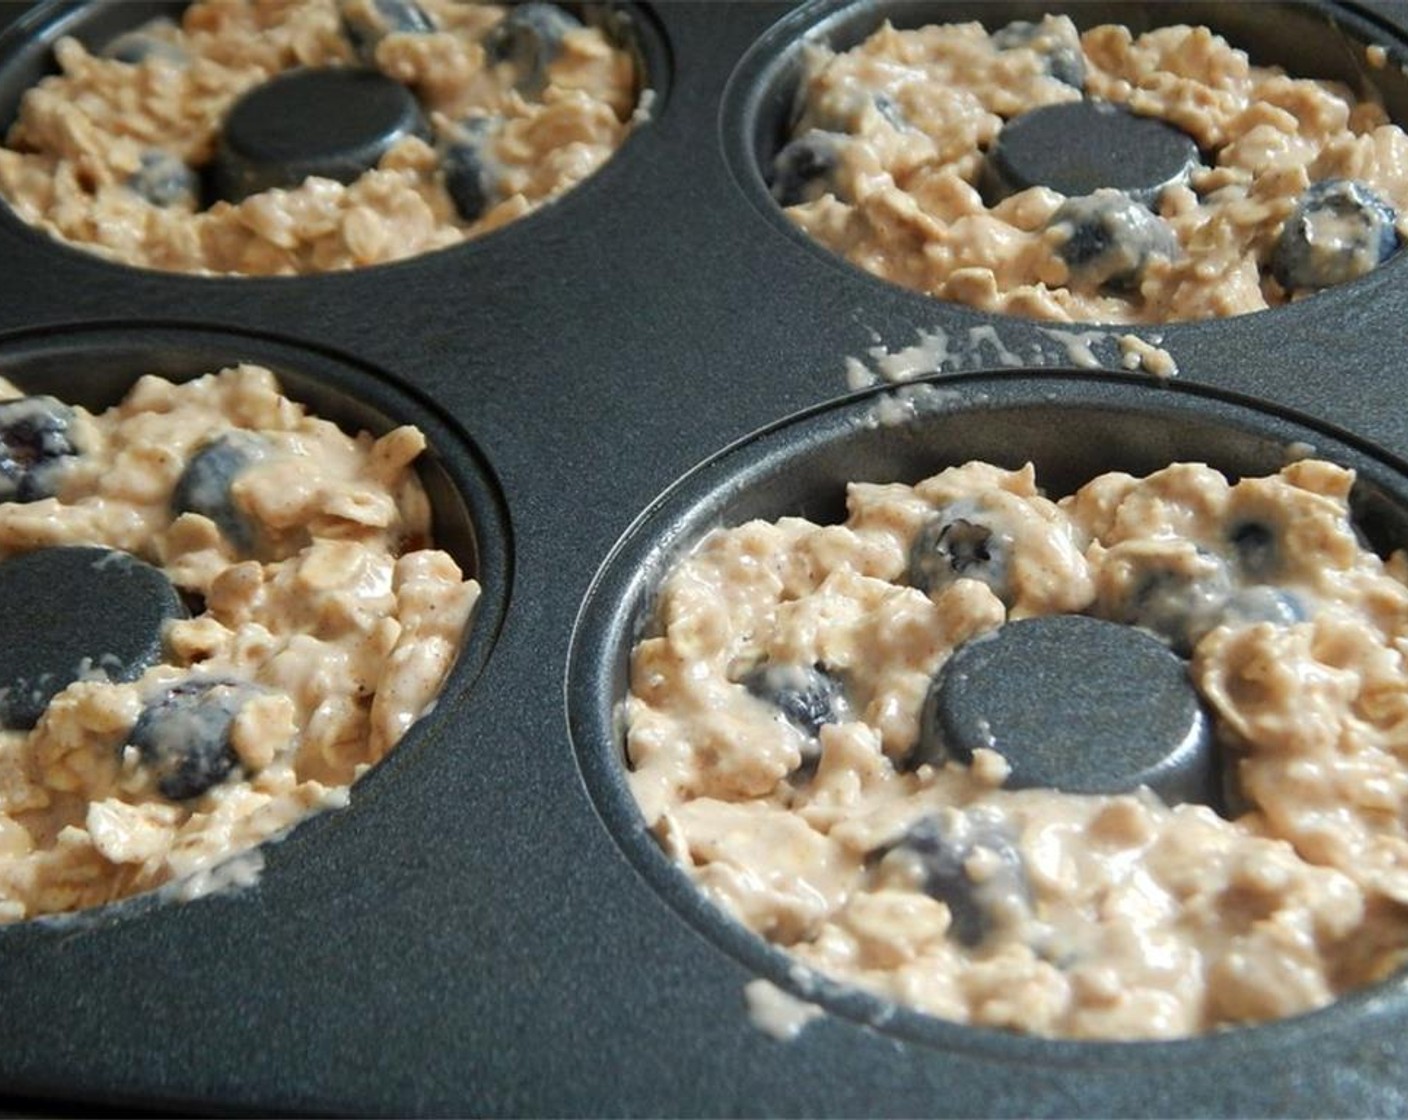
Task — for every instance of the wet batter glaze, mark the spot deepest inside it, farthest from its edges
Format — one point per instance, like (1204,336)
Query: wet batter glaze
(775,706)
(890,169)
(75,160)
(325,621)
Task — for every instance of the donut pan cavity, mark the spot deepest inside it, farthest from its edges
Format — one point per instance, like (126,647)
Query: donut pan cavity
(1311,41)
(96,366)
(487,928)
(27,45)
(1072,427)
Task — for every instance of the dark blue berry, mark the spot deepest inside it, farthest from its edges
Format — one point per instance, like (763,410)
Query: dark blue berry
(1275,605)
(184,735)
(805,168)
(806,695)
(164,180)
(845,117)
(367,22)
(1176,606)
(36,445)
(205,485)
(893,114)
(468,169)
(1065,61)
(1338,231)
(135,47)
(960,543)
(1110,239)
(942,849)
(1257,549)
(529,38)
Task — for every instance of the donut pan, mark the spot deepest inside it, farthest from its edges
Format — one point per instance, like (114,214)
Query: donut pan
(488,928)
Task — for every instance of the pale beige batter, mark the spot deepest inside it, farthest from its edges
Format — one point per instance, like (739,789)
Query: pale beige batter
(1080,916)
(894,132)
(77,154)
(326,612)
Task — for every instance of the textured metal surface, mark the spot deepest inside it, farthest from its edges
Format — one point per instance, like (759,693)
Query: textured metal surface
(110,612)
(1080,705)
(486,928)
(335,122)
(1079,147)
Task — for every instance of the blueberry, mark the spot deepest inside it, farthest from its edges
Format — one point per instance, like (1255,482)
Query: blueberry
(205,485)
(465,176)
(893,114)
(184,735)
(942,850)
(135,47)
(1109,240)
(367,22)
(807,696)
(164,180)
(1176,606)
(1064,59)
(1338,231)
(805,168)
(529,38)
(846,115)
(960,543)
(36,445)
(468,169)
(1263,604)
(1256,547)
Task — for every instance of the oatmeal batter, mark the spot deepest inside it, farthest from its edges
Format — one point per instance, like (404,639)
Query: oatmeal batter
(774,729)
(522,104)
(322,627)
(1300,187)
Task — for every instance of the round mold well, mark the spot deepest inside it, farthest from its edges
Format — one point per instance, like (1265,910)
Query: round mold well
(95,366)
(1072,426)
(1306,38)
(26,57)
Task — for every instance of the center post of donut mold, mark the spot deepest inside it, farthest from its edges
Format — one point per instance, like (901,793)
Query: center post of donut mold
(335,123)
(1077,704)
(1079,147)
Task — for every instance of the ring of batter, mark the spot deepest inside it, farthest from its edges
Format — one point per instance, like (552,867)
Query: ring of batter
(113,154)
(320,624)
(1299,185)
(775,709)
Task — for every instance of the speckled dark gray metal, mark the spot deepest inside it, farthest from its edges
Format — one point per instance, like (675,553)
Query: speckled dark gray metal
(1076,704)
(335,122)
(488,928)
(74,611)
(1079,147)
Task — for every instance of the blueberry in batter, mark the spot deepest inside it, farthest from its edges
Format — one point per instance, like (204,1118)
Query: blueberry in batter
(183,735)
(942,849)
(806,696)
(367,22)
(205,486)
(1340,230)
(163,180)
(136,47)
(1064,60)
(803,170)
(1108,240)
(530,38)
(36,444)
(959,544)
(470,180)
(1276,605)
